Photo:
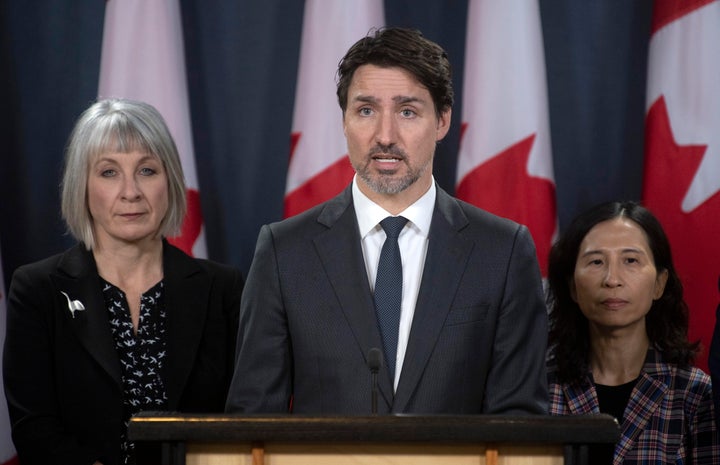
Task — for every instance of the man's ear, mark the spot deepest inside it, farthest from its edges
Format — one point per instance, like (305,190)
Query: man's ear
(443,125)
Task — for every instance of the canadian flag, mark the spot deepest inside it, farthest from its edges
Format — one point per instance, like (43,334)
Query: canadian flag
(682,149)
(143,59)
(7,450)
(319,167)
(505,161)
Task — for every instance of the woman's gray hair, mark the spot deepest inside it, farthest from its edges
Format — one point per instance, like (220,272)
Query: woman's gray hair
(118,126)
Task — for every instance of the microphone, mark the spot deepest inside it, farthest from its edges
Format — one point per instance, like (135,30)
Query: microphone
(374,361)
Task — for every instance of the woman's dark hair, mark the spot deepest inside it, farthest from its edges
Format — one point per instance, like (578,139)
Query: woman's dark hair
(667,320)
(402,48)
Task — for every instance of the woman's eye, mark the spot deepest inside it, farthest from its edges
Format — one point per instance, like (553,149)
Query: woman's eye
(107,173)
(147,171)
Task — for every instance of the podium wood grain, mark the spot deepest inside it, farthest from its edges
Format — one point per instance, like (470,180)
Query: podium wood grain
(385,440)
(372,454)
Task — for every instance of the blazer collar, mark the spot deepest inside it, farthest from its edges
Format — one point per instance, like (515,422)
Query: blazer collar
(645,399)
(448,250)
(339,248)
(651,388)
(582,396)
(187,290)
(77,276)
(187,287)
(445,264)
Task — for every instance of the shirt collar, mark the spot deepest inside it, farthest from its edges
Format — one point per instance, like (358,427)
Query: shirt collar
(369,214)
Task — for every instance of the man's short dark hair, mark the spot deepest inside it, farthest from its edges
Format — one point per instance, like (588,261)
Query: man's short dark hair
(402,48)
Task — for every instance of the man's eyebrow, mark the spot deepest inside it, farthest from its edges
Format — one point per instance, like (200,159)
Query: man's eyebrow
(365,99)
(407,99)
(399,99)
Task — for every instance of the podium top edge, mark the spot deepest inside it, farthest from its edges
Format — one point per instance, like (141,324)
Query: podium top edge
(540,429)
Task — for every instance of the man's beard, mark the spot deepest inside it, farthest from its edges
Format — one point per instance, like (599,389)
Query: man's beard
(384,182)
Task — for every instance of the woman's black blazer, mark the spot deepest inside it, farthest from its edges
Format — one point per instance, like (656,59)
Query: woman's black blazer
(62,372)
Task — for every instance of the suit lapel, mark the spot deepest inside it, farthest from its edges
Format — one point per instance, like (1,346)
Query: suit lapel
(447,255)
(645,399)
(186,295)
(582,397)
(78,278)
(340,251)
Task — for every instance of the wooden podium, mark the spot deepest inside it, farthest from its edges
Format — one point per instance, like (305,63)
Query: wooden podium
(386,439)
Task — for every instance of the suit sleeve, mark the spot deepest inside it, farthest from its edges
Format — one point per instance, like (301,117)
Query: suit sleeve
(28,373)
(263,345)
(517,381)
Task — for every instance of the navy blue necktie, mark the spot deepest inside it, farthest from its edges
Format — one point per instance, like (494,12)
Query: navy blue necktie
(388,289)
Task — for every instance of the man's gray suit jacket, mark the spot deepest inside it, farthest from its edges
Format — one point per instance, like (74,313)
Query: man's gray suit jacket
(478,336)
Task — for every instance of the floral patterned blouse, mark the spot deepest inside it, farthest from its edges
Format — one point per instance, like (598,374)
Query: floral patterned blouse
(142,355)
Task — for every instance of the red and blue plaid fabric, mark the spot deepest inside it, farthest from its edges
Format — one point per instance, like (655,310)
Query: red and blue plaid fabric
(669,418)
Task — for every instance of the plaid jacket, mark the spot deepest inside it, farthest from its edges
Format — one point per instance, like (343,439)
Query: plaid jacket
(669,418)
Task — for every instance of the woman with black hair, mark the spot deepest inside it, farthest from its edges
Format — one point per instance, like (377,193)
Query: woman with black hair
(618,339)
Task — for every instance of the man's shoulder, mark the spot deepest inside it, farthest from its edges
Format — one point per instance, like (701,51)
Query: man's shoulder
(317,218)
(457,211)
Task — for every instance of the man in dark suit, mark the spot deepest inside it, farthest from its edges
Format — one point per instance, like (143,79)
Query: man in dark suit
(470,327)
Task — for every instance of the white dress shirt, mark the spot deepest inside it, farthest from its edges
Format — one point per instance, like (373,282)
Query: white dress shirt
(413,242)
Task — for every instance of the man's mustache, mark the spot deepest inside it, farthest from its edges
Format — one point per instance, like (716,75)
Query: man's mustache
(388,150)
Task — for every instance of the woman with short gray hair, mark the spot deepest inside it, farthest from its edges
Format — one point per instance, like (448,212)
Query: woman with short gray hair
(123,321)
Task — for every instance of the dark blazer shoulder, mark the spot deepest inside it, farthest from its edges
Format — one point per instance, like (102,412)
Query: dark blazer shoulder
(315,219)
(179,263)
(74,262)
(189,277)
(204,301)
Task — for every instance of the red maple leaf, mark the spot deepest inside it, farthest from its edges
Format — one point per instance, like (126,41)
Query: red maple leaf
(667,11)
(503,186)
(323,186)
(694,236)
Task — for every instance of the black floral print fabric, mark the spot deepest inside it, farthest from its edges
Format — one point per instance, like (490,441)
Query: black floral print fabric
(142,355)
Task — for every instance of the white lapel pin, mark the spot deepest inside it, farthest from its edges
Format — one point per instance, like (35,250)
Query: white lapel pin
(73,305)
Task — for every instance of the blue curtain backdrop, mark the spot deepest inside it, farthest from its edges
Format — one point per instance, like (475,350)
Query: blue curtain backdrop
(242,59)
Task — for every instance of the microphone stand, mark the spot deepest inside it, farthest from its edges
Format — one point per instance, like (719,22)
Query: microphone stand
(373,397)
(374,361)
